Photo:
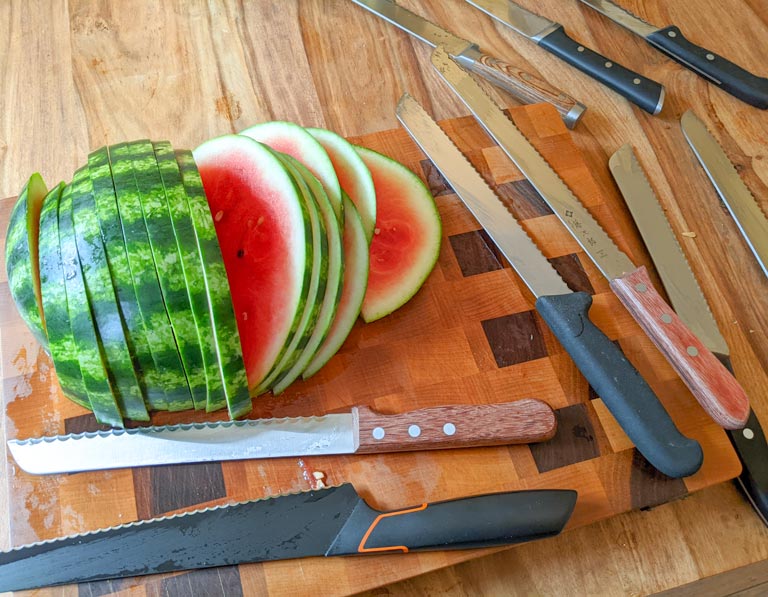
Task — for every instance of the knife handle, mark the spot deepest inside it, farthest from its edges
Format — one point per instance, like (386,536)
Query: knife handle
(522,85)
(644,92)
(725,74)
(711,383)
(455,426)
(479,521)
(626,394)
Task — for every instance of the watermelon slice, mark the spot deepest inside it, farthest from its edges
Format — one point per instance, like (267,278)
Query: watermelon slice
(406,240)
(266,243)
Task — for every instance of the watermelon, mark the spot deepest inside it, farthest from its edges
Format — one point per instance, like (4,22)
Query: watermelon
(266,243)
(406,240)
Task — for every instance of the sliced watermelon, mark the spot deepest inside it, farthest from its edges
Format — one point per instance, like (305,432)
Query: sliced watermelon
(265,238)
(406,240)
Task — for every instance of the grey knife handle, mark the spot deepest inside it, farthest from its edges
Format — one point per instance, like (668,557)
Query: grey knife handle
(625,393)
(725,74)
(524,86)
(644,92)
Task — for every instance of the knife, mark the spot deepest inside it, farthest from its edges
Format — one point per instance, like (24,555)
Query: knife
(325,522)
(524,86)
(747,214)
(716,389)
(361,431)
(617,382)
(551,36)
(670,40)
(688,300)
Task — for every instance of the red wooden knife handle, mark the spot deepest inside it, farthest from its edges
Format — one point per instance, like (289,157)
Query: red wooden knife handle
(456,426)
(711,383)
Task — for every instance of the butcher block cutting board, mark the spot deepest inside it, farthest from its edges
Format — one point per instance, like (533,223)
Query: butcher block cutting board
(471,335)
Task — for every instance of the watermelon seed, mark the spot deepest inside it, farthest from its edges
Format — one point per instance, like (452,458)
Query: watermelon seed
(219,215)
(240,253)
(377,230)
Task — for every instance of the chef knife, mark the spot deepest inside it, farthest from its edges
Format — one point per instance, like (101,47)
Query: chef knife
(551,36)
(670,40)
(325,522)
(686,297)
(524,86)
(745,211)
(611,375)
(361,431)
(716,389)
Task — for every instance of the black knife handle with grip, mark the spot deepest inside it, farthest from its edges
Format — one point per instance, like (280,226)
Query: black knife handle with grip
(644,92)
(626,394)
(725,74)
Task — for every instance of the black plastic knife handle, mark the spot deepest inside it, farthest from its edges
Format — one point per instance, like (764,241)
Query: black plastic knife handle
(480,521)
(725,74)
(625,393)
(645,93)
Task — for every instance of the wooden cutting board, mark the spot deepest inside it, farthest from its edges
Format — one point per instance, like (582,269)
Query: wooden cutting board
(471,335)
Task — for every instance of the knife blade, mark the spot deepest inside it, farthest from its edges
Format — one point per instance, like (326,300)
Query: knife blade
(326,522)
(361,431)
(522,85)
(688,300)
(644,92)
(670,40)
(617,382)
(745,211)
(715,389)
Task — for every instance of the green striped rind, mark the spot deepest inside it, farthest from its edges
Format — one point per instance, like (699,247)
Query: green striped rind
(87,343)
(145,281)
(235,396)
(101,297)
(333,288)
(21,256)
(117,260)
(191,265)
(54,294)
(317,279)
(355,283)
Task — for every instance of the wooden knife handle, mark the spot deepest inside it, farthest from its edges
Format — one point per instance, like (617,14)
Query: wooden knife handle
(711,383)
(456,426)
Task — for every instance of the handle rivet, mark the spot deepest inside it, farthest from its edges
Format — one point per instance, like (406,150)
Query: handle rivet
(608,64)
(710,57)
(449,429)
(693,351)
(414,431)
(378,433)
(641,287)
(666,318)
(672,34)
(636,81)
(748,433)
(580,49)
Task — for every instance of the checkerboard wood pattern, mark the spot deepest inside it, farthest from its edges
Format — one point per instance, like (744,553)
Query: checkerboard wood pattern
(471,335)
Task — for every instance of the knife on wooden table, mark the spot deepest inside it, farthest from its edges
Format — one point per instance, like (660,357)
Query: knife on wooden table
(691,306)
(611,375)
(522,85)
(709,381)
(644,92)
(670,40)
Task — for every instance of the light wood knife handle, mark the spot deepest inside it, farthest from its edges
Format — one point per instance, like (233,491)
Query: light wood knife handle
(456,426)
(711,383)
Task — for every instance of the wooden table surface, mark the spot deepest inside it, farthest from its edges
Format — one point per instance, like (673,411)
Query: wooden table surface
(80,74)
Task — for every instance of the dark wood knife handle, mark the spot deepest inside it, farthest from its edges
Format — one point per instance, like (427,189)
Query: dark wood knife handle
(456,426)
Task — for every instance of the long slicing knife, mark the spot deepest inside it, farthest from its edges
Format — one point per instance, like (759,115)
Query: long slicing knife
(524,86)
(670,40)
(326,522)
(617,382)
(646,93)
(361,431)
(749,218)
(711,383)
(691,306)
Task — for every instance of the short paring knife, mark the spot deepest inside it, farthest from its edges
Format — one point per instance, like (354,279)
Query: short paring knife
(644,92)
(711,383)
(616,381)
(749,218)
(326,522)
(688,300)
(361,431)
(670,40)
(524,86)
